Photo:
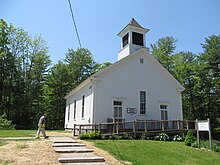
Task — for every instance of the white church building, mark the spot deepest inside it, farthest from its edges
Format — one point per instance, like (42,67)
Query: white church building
(137,86)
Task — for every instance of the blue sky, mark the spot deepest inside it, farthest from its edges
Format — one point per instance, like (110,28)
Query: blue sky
(99,21)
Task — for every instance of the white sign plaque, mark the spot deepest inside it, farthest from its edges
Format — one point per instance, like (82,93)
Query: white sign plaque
(203,126)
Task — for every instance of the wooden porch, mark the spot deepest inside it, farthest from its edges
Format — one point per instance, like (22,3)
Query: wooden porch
(147,127)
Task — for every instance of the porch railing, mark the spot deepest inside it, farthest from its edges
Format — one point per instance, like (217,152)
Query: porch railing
(149,127)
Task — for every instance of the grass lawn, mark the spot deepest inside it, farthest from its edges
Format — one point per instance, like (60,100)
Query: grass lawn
(22,133)
(17,133)
(142,152)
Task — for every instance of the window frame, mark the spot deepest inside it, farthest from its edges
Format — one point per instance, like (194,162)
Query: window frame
(143,102)
(83,106)
(137,39)
(125,39)
(74,110)
(68,113)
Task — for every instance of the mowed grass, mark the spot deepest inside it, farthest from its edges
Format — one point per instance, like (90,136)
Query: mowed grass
(17,133)
(142,152)
(22,133)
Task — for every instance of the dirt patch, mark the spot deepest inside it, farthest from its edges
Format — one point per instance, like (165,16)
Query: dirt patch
(36,152)
(41,152)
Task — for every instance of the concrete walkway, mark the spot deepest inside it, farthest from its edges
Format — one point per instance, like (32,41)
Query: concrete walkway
(75,153)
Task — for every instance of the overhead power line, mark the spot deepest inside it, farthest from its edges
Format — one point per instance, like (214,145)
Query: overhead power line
(74,23)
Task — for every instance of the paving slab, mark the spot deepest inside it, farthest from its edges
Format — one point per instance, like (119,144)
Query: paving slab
(81,160)
(63,140)
(68,145)
(91,163)
(73,150)
(75,153)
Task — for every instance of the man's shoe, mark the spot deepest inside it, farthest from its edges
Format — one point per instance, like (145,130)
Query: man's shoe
(36,137)
(46,137)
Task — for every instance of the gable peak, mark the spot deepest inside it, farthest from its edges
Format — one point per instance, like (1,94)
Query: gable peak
(133,22)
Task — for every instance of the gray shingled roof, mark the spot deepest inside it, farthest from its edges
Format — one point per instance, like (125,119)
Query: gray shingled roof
(133,22)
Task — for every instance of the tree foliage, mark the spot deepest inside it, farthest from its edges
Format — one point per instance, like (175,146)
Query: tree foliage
(29,85)
(198,73)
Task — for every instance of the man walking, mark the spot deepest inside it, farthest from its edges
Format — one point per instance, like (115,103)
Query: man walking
(41,127)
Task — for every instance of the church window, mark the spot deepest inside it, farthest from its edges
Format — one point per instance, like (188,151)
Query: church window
(137,39)
(125,40)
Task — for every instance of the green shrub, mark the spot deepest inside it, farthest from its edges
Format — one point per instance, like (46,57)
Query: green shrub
(162,137)
(206,145)
(177,138)
(115,137)
(215,147)
(190,139)
(126,136)
(5,124)
(91,135)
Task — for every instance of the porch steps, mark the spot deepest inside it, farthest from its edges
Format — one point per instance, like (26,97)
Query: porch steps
(72,152)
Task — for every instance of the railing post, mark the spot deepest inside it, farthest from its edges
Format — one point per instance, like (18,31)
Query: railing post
(114,130)
(178,125)
(145,126)
(134,128)
(187,125)
(79,129)
(74,130)
(95,126)
(117,128)
(162,125)
(100,127)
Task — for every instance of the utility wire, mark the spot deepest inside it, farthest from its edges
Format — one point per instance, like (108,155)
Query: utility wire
(74,22)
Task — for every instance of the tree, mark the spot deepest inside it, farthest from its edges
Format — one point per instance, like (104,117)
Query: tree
(58,83)
(81,65)
(185,71)
(24,62)
(163,51)
(210,75)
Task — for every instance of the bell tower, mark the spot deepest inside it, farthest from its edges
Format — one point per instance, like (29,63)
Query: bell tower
(133,38)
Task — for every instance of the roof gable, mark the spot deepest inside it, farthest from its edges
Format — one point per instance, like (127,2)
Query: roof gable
(124,61)
(137,54)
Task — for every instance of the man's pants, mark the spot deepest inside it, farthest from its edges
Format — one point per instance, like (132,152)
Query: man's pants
(40,130)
